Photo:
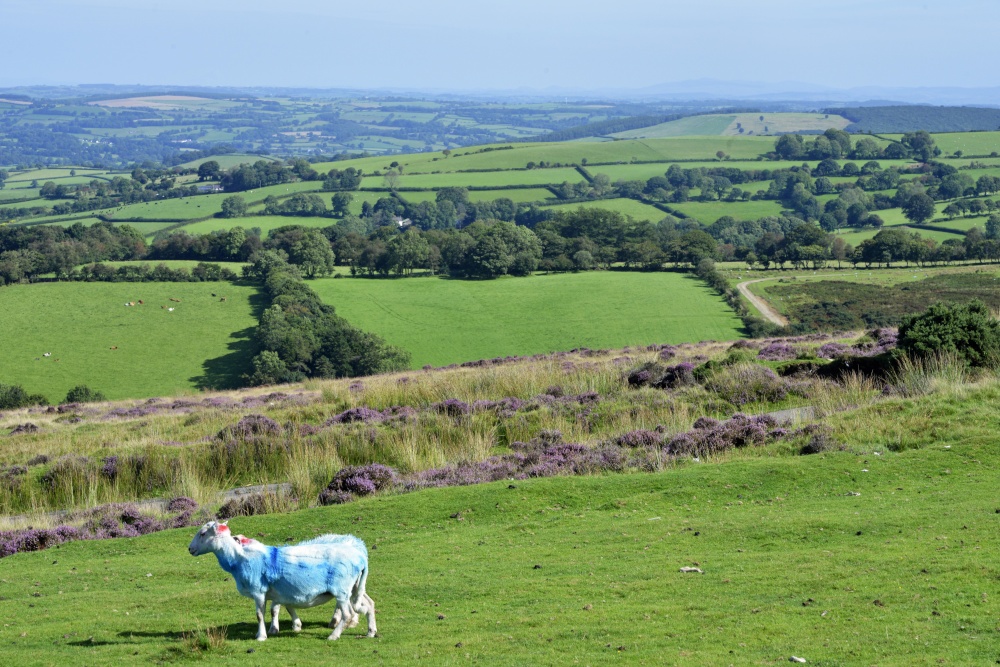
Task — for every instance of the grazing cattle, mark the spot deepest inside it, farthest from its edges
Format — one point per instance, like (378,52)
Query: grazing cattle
(213,293)
(114,347)
(141,302)
(175,300)
(222,299)
(163,307)
(329,567)
(170,310)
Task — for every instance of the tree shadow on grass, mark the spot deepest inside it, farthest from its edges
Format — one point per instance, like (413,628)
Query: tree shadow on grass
(226,372)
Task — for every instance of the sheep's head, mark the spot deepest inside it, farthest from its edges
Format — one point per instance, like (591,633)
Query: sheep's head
(208,538)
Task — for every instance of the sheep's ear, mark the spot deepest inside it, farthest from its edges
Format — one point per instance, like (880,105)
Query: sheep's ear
(224,523)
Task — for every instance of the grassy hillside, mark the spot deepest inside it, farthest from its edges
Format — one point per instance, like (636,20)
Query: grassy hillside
(731,124)
(863,556)
(443,321)
(203,342)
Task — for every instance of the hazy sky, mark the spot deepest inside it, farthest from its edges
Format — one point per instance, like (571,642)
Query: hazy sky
(502,44)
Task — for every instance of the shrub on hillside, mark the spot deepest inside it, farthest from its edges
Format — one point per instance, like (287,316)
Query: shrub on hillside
(81,393)
(968,331)
(13,396)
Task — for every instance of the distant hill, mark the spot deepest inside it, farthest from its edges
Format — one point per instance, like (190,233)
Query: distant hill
(735,124)
(605,127)
(908,118)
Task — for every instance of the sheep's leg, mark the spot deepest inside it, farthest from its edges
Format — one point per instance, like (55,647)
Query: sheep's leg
(340,617)
(352,621)
(275,610)
(296,621)
(261,627)
(366,606)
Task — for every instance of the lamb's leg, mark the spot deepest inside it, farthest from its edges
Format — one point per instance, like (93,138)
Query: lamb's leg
(366,606)
(275,610)
(296,621)
(340,618)
(261,627)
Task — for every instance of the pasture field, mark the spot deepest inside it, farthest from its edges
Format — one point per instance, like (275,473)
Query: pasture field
(970,143)
(729,125)
(517,196)
(707,125)
(18,193)
(710,211)
(263,222)
(441,321)
(776,123)
(843,558)
(962,224)
(201,343)
(229,161)
(479,179)
(200,206)
(166,102)
(631,207)
(179,208)
(51,174)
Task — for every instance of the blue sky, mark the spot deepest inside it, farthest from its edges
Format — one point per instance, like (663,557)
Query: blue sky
(465,45)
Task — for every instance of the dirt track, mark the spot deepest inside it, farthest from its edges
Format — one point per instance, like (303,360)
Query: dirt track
(763,306)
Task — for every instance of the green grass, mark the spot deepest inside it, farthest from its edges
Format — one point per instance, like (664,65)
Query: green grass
(726,124)
(202,343)
(581,570)
(444,321)
(229,161)
(201,206)
(517,196)
(631,207)
(970,143)
(709,212)
(479,179)
(693,125)
(265,222)
(49,174)
(961,225)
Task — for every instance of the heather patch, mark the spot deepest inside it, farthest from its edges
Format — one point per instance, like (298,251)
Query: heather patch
(777,352)
(743,384)
(251,427)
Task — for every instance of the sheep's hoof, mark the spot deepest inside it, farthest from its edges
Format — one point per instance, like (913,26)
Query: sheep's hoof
(272,631)
(262,638)
(353,623)
(371,633)
(297,626)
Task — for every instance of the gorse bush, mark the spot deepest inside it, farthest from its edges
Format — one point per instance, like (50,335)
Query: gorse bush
(13,396)
(81,393)
(968,331)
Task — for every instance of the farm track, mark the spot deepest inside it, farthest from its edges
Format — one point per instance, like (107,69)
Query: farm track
(769,313)
(761,304)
